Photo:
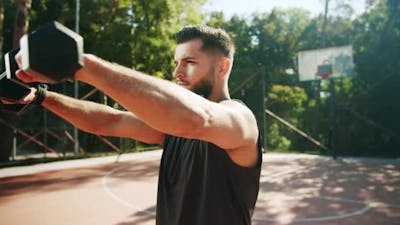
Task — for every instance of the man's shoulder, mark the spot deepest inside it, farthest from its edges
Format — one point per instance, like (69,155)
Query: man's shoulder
(236,104)
(233,102)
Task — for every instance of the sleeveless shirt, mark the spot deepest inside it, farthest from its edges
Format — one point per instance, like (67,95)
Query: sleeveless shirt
(199,184)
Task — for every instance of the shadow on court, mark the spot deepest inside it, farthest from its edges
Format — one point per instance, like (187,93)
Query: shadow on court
(53,181)
(324,191)
(295,189)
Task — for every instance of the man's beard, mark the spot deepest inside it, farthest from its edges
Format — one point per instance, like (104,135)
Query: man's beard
(204,86)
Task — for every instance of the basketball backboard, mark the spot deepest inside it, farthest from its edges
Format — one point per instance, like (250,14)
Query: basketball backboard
(334,62)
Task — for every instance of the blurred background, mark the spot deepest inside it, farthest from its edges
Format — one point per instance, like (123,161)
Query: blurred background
(354,114)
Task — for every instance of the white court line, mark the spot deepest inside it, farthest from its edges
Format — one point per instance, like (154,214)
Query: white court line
(119,199)
(372,204)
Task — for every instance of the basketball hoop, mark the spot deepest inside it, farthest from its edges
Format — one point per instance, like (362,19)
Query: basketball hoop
(324,70)
(326,63)
(322,75)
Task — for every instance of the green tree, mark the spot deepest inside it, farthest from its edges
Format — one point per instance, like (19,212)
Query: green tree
(374,128)
(290,102)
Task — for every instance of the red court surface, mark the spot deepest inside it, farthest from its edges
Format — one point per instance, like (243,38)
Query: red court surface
(295,189)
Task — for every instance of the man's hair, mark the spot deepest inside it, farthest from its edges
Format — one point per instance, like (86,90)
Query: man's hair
(213,38)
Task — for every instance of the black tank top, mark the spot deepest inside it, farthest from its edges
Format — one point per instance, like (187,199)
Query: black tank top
(200,185)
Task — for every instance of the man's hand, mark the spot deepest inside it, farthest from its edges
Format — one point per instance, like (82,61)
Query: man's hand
(26,100)
(30,97)
(27,77)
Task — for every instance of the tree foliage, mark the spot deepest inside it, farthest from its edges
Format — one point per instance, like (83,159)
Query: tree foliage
(139,34)
(366,109)
(134,33)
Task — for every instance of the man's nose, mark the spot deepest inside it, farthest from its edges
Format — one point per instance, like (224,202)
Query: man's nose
(179,71)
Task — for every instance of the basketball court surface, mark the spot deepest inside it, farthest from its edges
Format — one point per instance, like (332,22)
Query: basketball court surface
(295,189)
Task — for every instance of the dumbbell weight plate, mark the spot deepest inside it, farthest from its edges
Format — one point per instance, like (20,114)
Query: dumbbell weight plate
(53,51)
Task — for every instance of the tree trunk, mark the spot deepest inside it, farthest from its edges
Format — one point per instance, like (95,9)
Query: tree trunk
(21,22)
(5,138)
(1,28)
(20,28)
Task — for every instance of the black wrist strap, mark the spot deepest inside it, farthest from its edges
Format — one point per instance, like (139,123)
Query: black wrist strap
(40,94)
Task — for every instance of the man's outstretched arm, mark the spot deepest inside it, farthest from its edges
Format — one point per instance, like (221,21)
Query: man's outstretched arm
(170,108)
(101,119)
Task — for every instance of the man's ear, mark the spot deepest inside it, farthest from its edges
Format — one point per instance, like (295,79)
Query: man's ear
(224,66)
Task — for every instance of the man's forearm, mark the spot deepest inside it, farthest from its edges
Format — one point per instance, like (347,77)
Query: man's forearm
(161,104)
(86,115)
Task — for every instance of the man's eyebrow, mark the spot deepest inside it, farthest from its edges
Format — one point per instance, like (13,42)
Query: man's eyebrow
(186,58)
(189,57)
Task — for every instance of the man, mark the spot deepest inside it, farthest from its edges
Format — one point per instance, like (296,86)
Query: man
(210,168)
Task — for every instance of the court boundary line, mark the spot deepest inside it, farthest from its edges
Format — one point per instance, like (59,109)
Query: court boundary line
(120,200)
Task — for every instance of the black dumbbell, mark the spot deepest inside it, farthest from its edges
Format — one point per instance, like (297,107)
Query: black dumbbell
(11,89)
(53,51)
